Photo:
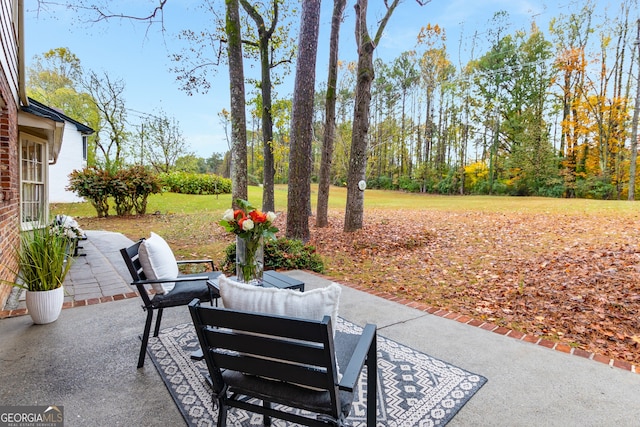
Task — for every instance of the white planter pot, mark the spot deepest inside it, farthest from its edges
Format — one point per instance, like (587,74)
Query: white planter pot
(45,306)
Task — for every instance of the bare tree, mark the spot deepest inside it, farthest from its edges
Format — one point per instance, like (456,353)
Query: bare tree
(165,142)
(107,94)
(299,195)
(101,11)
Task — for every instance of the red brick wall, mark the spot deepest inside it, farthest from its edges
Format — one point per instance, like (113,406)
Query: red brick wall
(9,187)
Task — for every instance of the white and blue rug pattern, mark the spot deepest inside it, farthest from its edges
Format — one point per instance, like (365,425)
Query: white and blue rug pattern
(414,389)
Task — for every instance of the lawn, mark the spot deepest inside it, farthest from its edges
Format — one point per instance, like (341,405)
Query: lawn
(567,270)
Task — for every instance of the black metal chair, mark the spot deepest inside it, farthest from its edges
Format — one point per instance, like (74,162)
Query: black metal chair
(187,287)
(286,361)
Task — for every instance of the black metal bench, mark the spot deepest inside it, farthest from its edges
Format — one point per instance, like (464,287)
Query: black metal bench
(63,223)
(76,246)
(286,361)
(187,287)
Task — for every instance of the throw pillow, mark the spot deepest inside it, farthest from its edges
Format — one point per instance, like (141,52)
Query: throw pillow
(158,262)
(313,304)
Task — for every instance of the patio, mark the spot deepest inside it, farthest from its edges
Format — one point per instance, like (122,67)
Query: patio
(85,361)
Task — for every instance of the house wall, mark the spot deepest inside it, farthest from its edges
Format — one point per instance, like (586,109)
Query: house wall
(69,159)
(9,176)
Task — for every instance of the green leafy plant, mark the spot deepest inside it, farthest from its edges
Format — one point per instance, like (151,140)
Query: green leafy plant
(281,254)
(94,184)
(131,188)
(43,261)
(195,183)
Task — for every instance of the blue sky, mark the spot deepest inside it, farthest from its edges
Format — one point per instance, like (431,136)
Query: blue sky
(139,54)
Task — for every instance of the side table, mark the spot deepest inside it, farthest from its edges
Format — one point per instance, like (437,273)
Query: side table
(270,279)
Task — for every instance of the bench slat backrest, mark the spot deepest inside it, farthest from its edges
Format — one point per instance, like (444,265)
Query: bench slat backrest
(280,348)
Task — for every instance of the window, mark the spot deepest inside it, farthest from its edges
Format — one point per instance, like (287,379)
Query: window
(33,174)
(85,147)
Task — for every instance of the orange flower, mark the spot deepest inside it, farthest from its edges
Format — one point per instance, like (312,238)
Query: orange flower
(238,215)
(258,217)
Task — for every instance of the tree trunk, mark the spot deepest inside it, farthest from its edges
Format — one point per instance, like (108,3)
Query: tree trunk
(358,156)
(238,118)
(264,38)
(299,194)
(268,198)
(634,129)
(354,214)
(330,119)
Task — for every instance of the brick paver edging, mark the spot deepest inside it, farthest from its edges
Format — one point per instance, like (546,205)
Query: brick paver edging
(487,326)
(70,304)
(557,346)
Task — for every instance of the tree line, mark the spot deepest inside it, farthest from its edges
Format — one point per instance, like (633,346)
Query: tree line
(539,112)
(547,113)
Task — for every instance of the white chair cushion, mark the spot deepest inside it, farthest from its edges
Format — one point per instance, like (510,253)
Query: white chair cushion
(158,262)
(313,304)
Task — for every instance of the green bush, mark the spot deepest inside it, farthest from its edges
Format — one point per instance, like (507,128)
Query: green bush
(280,254)
(406,183)
(553,187)
(499,188)
(595,188)
(381,183)
(195,183)
(449,184)
(93,184)
(131,188)
(339,181)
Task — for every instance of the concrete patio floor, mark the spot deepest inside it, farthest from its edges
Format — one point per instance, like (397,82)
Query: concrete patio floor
(86,360)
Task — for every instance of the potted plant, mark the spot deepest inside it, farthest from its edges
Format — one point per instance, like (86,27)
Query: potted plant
(43,264)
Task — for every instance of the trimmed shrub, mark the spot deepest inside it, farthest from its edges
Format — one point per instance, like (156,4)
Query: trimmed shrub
(94,185)
(195,183)
(131,188)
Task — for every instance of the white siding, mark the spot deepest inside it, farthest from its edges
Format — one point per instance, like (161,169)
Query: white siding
(69,158)
(9,44)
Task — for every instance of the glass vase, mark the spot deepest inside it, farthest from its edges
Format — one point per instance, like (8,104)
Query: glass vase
(249,260)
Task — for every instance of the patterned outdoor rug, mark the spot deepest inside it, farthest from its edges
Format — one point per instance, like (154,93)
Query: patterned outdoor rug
(414,389)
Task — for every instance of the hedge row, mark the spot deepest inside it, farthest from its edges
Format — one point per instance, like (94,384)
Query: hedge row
(195,183)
